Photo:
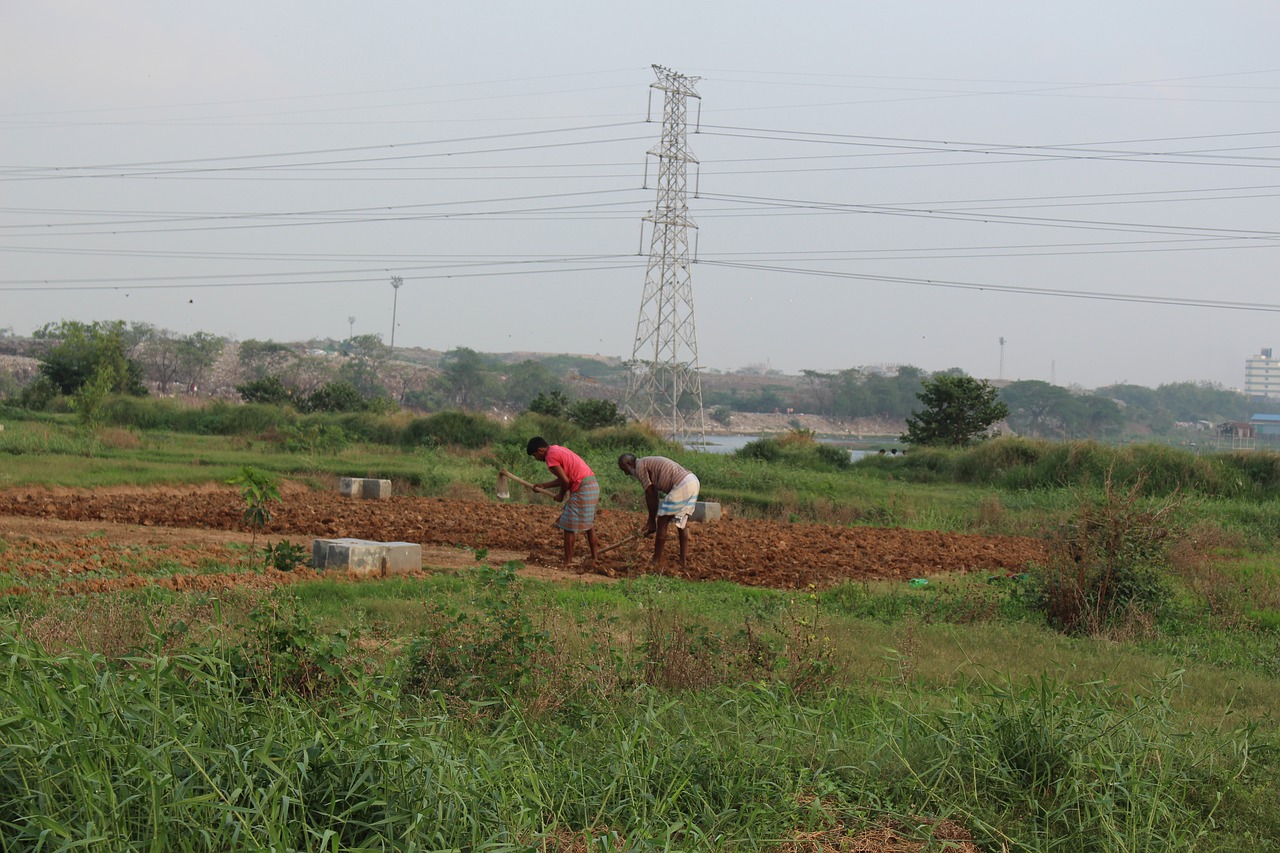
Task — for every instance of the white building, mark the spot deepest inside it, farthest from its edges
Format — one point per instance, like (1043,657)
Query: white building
(1262,375)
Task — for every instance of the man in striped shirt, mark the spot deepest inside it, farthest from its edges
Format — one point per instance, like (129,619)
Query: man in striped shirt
(670,493)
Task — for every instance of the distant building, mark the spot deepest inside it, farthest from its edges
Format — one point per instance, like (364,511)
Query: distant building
(1262,375)
(1266,427)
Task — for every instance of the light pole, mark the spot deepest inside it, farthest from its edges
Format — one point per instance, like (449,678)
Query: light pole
(396,281)
(1002,356)
(351,321)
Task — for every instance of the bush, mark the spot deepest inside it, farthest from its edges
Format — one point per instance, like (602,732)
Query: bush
(496,653)
(37,395)
(335,397)
(463,429)
(595,414)
(638,438)
(764,449)
(554,430)
(1109,562)
(268,389)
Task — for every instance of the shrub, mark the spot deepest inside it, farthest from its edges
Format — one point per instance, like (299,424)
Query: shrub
(595,414)
(268,389)
(554,430)
(990,461)
(339,396)
(764,449)
(1110,560)
(37,394)
(497,652)
(638,438)
(285,653)
(463,429)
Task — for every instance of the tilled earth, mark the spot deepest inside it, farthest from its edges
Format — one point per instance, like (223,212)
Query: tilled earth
(185,537)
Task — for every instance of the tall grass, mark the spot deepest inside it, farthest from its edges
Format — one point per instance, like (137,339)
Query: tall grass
(175,751)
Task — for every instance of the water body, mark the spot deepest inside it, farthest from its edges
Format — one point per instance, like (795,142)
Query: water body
(730,443)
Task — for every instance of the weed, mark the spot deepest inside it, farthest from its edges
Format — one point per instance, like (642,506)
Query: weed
(479,657)
(286,653)
(284,556)
(1110,562)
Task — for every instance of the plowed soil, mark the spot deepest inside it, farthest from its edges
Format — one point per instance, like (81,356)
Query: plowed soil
(87,541)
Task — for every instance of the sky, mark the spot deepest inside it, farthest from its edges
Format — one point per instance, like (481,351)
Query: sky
(1080,192)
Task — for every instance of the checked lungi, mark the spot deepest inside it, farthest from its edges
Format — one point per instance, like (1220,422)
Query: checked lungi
(579,513)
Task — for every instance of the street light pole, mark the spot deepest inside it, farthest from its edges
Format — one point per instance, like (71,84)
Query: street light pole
(351,321)
(396,281)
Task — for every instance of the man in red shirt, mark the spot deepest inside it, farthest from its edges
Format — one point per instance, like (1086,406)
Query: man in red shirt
(574,478)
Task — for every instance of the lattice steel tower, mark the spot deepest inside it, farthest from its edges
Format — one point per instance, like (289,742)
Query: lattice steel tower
(664,386)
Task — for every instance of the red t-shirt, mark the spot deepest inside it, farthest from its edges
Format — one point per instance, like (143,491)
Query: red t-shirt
(575,467)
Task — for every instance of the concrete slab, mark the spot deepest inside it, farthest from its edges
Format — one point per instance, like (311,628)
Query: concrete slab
(364,487)
(378,490)
(705,511)
(366,558)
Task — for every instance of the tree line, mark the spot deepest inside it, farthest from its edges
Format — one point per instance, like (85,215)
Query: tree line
(359,374)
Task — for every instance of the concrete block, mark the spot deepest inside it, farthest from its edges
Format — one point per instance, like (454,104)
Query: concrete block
(705,511)
(378,490)
(366,558)
(364,487)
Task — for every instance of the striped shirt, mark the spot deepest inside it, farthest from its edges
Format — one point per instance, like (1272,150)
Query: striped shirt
(660,472)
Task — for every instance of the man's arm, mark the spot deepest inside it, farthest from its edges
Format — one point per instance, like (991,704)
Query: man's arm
(561,481)
(651,501)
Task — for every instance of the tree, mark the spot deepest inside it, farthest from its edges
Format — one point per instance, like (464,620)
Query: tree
(552,403)
(593,414)
(466,378)
(526,381)
(83,352)
(1038,408)
(196,353)
(957,410)
(259,359)
(1094,416)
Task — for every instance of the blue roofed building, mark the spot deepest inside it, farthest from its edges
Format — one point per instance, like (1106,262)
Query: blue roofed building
(1266,427)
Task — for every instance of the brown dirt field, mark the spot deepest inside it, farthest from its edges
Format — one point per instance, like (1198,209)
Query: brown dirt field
(166,535)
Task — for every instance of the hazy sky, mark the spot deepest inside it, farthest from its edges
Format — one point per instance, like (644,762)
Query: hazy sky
(901,183)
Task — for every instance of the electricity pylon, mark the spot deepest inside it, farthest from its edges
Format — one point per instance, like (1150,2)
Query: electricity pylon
(664,386)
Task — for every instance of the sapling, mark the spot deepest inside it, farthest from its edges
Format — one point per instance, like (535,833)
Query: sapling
(258,489)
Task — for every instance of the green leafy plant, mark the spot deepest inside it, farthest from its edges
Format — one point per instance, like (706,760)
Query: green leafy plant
(258,490)
(286,653)
(284,556)
(496,652)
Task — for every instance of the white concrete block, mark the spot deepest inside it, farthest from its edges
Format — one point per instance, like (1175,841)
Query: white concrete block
(705,511)
(350,487)
(378,490)
(365,557)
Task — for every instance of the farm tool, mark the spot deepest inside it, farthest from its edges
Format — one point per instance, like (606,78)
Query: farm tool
(503,490)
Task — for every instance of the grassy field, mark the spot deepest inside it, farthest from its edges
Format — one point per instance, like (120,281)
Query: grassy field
(476,710)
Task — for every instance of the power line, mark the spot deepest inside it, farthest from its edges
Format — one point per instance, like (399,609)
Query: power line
(998,288)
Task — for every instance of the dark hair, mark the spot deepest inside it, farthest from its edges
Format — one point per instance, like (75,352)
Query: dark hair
(534,443)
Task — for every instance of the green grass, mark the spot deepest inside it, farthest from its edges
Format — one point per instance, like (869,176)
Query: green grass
(1026,738)
(466,710)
